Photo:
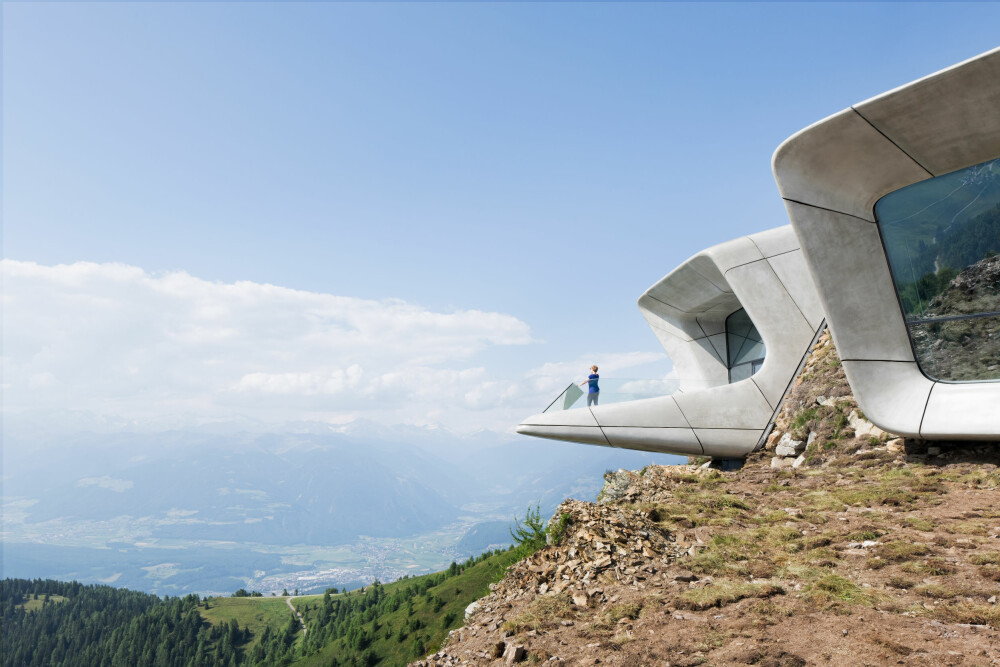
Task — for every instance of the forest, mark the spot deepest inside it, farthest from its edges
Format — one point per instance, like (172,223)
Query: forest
(57,623)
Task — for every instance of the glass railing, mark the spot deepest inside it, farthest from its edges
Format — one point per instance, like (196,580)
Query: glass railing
(614,390)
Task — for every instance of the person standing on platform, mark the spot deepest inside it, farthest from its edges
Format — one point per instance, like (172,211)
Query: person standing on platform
(595,392)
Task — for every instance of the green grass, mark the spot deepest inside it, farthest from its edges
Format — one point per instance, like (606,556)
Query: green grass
(253,613)
(933,567)
(919,524)
(722,593)
(898,551)
(833,587)
(34,605)
(543,612)
(882,494)
(985,558)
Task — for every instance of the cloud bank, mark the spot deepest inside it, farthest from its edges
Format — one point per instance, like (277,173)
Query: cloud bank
(170,350)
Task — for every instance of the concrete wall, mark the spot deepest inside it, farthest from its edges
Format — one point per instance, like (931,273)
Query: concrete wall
(830,176)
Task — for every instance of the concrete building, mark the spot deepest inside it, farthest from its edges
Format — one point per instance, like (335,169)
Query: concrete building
(737,320)
(896,202)
(894,242)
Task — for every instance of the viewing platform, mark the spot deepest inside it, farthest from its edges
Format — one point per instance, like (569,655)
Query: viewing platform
(614,390)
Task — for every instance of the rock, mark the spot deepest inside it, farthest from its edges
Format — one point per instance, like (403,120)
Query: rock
(799,461)
(498,649)
(863,428)
(514,654)
(580,600)
(933,451)
(780,462)
(811,439)
(992,600)
(832,401)
(787,451)
(895,445)
(788,447)
(615,485)
(771,439)
(471,609)
(862,545)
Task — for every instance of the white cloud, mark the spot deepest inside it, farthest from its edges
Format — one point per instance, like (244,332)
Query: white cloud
(107,482)
(114,340)
(112,344)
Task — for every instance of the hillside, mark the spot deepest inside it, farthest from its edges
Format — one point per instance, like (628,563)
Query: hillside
(850,547)
(397,622)
(56,623)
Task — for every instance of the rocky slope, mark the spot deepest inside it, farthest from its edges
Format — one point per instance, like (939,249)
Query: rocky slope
(847,546)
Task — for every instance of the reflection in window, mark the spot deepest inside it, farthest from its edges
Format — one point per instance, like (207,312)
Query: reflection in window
(942,237)
(744,347)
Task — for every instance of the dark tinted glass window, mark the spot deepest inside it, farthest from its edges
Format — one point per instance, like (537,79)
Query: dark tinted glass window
(744,346)
(942,238)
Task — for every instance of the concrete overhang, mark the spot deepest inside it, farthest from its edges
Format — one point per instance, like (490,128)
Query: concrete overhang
(763,273)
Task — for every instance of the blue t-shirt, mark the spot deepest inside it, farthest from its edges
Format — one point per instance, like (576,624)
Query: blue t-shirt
(592,378)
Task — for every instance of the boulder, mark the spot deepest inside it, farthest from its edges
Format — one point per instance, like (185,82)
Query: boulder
(863,429)
(514,654)
(788,447)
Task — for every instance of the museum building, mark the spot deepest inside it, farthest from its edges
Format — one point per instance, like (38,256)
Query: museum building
(894,244)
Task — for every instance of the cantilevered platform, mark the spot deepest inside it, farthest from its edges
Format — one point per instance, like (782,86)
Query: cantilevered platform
(726,401)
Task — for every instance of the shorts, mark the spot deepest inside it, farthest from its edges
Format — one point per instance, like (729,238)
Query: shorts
(592,398)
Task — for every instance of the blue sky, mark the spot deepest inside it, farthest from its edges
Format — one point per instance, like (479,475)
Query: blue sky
(504,179)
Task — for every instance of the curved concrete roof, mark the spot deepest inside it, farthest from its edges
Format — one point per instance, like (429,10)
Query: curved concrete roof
(830,176)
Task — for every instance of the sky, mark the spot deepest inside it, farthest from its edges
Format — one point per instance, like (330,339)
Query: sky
(433,214)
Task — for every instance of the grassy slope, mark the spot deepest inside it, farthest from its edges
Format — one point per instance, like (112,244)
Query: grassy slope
(457,592)
(253,613)
(34,605)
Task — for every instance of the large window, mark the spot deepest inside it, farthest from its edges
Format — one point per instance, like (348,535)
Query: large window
(744,347)
(942,237)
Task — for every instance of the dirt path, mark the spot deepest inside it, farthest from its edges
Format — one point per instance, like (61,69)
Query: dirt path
(288,600)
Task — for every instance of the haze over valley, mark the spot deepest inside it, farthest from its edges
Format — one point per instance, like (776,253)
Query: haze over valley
(189,511)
